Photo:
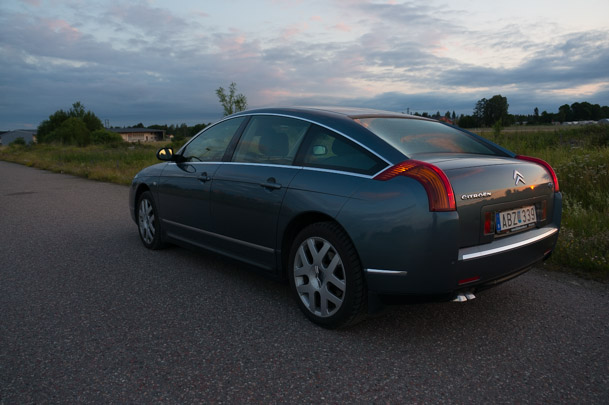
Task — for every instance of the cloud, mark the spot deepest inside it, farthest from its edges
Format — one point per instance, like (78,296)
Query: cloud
(148,62)
(574,59)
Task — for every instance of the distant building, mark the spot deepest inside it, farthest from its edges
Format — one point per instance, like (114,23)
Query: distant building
(28,135)
(446,120)
(579,122)
(140,134)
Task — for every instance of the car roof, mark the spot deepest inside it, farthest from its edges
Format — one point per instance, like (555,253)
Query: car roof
(351,112)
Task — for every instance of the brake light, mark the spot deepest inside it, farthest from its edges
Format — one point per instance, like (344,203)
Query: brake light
(439,190)
(546,165)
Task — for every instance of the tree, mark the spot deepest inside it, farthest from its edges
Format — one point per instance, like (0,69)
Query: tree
(71,131)
(467,121)
(231,102)
(496,110)
(49,125)
(488,112)
(478,114)
(50,130)
(92,122)
(565,113)
(77,110)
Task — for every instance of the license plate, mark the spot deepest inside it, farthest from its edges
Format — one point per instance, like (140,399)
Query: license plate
(515,219)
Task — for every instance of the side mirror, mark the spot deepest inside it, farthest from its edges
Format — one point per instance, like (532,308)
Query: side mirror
(165,154)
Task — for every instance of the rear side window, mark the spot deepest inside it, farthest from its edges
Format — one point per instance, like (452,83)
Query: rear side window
(412,136)
(328,150)
(210,145)
(270,139)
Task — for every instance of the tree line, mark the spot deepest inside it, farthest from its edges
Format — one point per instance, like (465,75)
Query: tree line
(494,112)
(80,127)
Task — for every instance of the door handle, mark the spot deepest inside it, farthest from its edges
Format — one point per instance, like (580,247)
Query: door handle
(204,177)
(271,184)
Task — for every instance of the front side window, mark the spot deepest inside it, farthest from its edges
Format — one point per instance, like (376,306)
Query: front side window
(329,150)
(210,145)
(412,136)
(270,139)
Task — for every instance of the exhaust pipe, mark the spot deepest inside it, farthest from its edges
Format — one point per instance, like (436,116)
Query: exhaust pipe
(462,297)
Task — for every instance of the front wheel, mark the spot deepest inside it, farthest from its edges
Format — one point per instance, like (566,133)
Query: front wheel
(326,276)
(148,222)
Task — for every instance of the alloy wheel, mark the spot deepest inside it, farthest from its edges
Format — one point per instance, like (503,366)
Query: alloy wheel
(319,276)
(146,221)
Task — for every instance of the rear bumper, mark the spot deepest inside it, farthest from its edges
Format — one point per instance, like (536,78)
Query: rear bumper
(507,245)
(475,268)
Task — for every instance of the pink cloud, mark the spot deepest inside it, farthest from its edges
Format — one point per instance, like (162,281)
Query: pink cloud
(290,32)
(342,27)
(237,46)
(63,27)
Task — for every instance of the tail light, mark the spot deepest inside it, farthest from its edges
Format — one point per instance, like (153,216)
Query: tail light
(439,190)
(546,165)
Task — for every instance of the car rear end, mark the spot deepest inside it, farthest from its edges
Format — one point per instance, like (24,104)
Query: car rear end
(508,209)
(509,215)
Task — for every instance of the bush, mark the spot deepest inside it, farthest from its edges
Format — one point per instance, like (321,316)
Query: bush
(105,137)
(72,131)
(47,127)
(18,142)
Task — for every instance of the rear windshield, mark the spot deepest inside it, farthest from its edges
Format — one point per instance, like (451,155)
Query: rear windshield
(412,136)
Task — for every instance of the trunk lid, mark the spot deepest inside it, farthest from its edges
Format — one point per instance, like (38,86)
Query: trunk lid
(499,190)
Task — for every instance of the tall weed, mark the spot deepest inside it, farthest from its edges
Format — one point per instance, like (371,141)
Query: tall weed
(580,157)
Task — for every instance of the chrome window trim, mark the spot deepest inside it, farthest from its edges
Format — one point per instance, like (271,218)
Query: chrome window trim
(316,169)
(388,162)
(260,164)
(504,245)
(319,169)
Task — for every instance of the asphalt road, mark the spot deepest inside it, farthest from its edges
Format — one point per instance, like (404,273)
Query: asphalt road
(88,315)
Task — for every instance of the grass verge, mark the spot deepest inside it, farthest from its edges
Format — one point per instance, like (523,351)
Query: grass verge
(114,164)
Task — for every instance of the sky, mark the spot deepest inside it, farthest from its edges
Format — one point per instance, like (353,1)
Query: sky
(160,61)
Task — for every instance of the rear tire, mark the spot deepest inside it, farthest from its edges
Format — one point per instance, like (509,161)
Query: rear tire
(326,276)
(148,222)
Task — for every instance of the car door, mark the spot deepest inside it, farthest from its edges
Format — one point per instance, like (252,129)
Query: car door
(247,192)
(184,188)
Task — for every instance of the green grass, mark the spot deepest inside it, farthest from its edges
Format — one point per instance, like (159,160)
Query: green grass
(579,155)
(111,164)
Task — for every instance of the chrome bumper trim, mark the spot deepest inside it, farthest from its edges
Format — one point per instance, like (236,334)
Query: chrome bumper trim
(387,272)
(503,245)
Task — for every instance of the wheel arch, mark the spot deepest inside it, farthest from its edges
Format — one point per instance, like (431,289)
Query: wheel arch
(294,227)
(140,189)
